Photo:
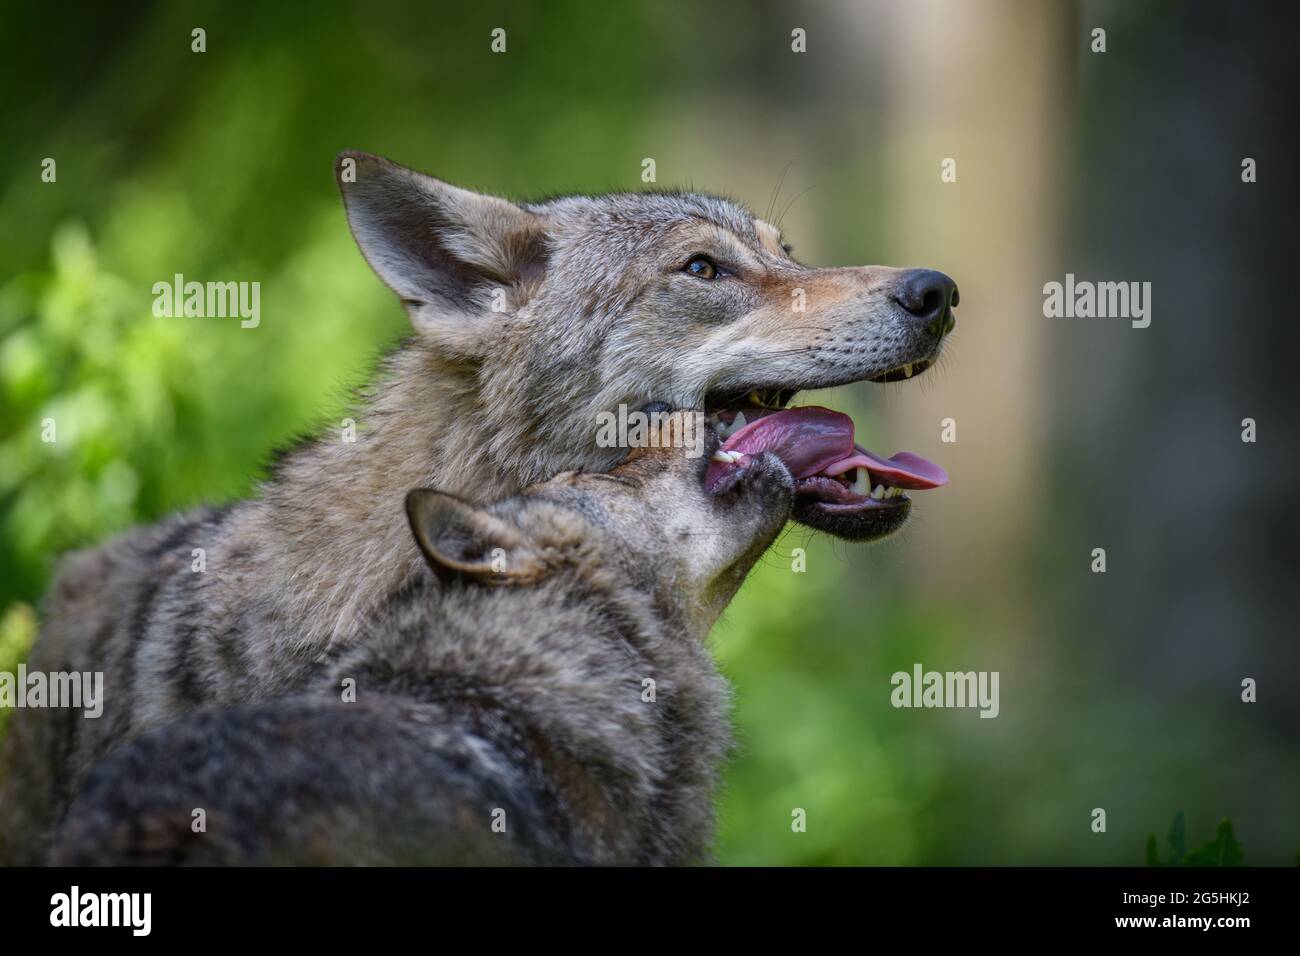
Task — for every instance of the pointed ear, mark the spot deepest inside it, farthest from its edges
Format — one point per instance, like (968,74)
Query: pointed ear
(463,542)
(439,247)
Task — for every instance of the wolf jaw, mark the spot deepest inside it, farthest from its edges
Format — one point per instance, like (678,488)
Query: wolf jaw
(840,486)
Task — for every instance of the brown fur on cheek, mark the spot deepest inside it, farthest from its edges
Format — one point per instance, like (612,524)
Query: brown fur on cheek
(778,320)
(770,237)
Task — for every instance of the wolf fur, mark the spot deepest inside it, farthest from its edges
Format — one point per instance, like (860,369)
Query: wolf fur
(557,706)
(529,320)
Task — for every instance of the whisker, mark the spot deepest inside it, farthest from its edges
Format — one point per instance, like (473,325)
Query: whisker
(776,192)
(781,218)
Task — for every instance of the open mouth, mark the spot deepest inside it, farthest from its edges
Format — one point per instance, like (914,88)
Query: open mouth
(840,486)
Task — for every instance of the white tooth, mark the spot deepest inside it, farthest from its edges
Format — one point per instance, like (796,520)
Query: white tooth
(723,456)
(878,492)
(738,422)
(861,483)
(907,370)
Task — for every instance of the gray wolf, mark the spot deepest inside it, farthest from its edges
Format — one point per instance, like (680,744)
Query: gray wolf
(529,320)
(545,696)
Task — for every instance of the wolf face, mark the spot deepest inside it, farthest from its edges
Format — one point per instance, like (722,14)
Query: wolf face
(558,311)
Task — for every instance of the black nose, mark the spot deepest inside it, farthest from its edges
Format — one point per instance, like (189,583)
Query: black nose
(929,296)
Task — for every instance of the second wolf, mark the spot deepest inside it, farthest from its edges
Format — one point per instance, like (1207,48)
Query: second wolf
(550,701)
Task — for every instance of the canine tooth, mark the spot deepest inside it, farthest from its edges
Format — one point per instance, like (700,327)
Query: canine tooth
(907,370)
(878,492)
(726,457)
(738,422)
(861,483)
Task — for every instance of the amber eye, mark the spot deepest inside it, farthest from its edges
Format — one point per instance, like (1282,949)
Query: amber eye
(702,267)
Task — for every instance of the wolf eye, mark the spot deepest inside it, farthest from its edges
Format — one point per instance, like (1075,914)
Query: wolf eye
(701,266)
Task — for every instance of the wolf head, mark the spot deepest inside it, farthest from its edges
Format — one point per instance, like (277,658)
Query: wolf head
(653,523)
(555,312)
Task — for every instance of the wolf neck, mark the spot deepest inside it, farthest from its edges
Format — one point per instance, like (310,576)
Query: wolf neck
(336,510)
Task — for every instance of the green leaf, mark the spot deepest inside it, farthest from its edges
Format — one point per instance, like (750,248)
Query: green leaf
(1223,850)
(1177,838)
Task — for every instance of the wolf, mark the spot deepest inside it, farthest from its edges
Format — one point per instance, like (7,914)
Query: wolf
(544,696)
(529,321)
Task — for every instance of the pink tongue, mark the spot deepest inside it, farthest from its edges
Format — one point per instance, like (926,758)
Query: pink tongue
(815,440)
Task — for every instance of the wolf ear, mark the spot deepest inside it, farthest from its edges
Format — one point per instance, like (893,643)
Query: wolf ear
(462,542)
(439,247)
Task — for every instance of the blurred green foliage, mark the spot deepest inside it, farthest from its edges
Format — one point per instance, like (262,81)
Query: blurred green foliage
(1223,850)
(113,416)
(805,654)
(17,631)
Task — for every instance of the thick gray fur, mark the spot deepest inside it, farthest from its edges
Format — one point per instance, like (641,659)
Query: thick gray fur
(564,694)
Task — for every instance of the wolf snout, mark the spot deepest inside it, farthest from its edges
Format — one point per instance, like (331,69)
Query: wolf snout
(928,296)
(764,475)
(770,473)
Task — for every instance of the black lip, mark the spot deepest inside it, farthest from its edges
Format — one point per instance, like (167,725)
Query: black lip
(870,521)
(898,375)
(738,399)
